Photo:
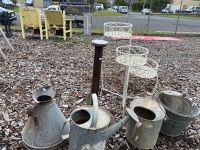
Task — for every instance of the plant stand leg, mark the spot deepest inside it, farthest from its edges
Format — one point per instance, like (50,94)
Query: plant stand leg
(2,54)
(6,39)
(125,88)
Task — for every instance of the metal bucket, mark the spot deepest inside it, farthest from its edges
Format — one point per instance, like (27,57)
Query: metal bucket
(151,115)
(172,100)
(177,120)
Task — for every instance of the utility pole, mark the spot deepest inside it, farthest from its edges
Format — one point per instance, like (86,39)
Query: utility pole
(144,3)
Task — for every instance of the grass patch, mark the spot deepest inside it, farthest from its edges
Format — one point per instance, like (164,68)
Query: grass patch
(12,27)
(84,40)
(182,16)
(67,44)
(16,9)
(107,13)
(144,32)
(97,31)
(94,30)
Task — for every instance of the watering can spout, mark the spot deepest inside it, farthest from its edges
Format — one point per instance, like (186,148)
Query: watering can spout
(114,128)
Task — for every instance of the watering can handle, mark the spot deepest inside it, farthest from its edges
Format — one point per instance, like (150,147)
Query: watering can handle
(137,125)
(134,117)
(94,112)
(89,99)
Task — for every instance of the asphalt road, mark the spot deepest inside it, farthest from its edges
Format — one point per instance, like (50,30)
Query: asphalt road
(156,23)
(140,22)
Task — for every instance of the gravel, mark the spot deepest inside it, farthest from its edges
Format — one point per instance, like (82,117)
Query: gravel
(68,66)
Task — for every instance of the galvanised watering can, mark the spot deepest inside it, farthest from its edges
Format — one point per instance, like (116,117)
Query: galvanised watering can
(89,126)
(45,123)
(151,115)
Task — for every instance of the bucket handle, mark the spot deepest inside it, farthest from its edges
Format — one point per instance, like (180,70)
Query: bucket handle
(186,103)
(94,110)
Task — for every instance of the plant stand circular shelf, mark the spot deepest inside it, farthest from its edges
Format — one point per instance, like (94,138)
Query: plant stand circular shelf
(147,71)
(117,29)
(130,55)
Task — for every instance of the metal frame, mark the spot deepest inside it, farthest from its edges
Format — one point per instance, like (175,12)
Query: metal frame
(1,52)
(114,31)
(125,55)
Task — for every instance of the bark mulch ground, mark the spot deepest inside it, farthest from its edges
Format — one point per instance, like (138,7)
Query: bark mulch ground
(68,66)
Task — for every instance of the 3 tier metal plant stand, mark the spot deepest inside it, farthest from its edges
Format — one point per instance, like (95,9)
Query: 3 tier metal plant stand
(134,58)
(113,32)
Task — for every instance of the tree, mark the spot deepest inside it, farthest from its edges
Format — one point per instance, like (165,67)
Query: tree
(156,5)
(104,2)
(120,3)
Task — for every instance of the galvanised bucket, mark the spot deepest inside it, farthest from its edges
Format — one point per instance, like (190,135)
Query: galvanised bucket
(172,100)
(177,121)
(151,115)
(45,123)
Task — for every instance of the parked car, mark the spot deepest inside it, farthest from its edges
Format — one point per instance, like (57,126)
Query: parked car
(51,8)
(165,10)
(115,7)
(7,4)
(193,9)
(123,9)
(146,11)
(11,15)
(29,2)
(99,6)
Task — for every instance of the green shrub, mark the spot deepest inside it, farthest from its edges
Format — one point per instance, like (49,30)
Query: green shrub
(104,2)
(14,1)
